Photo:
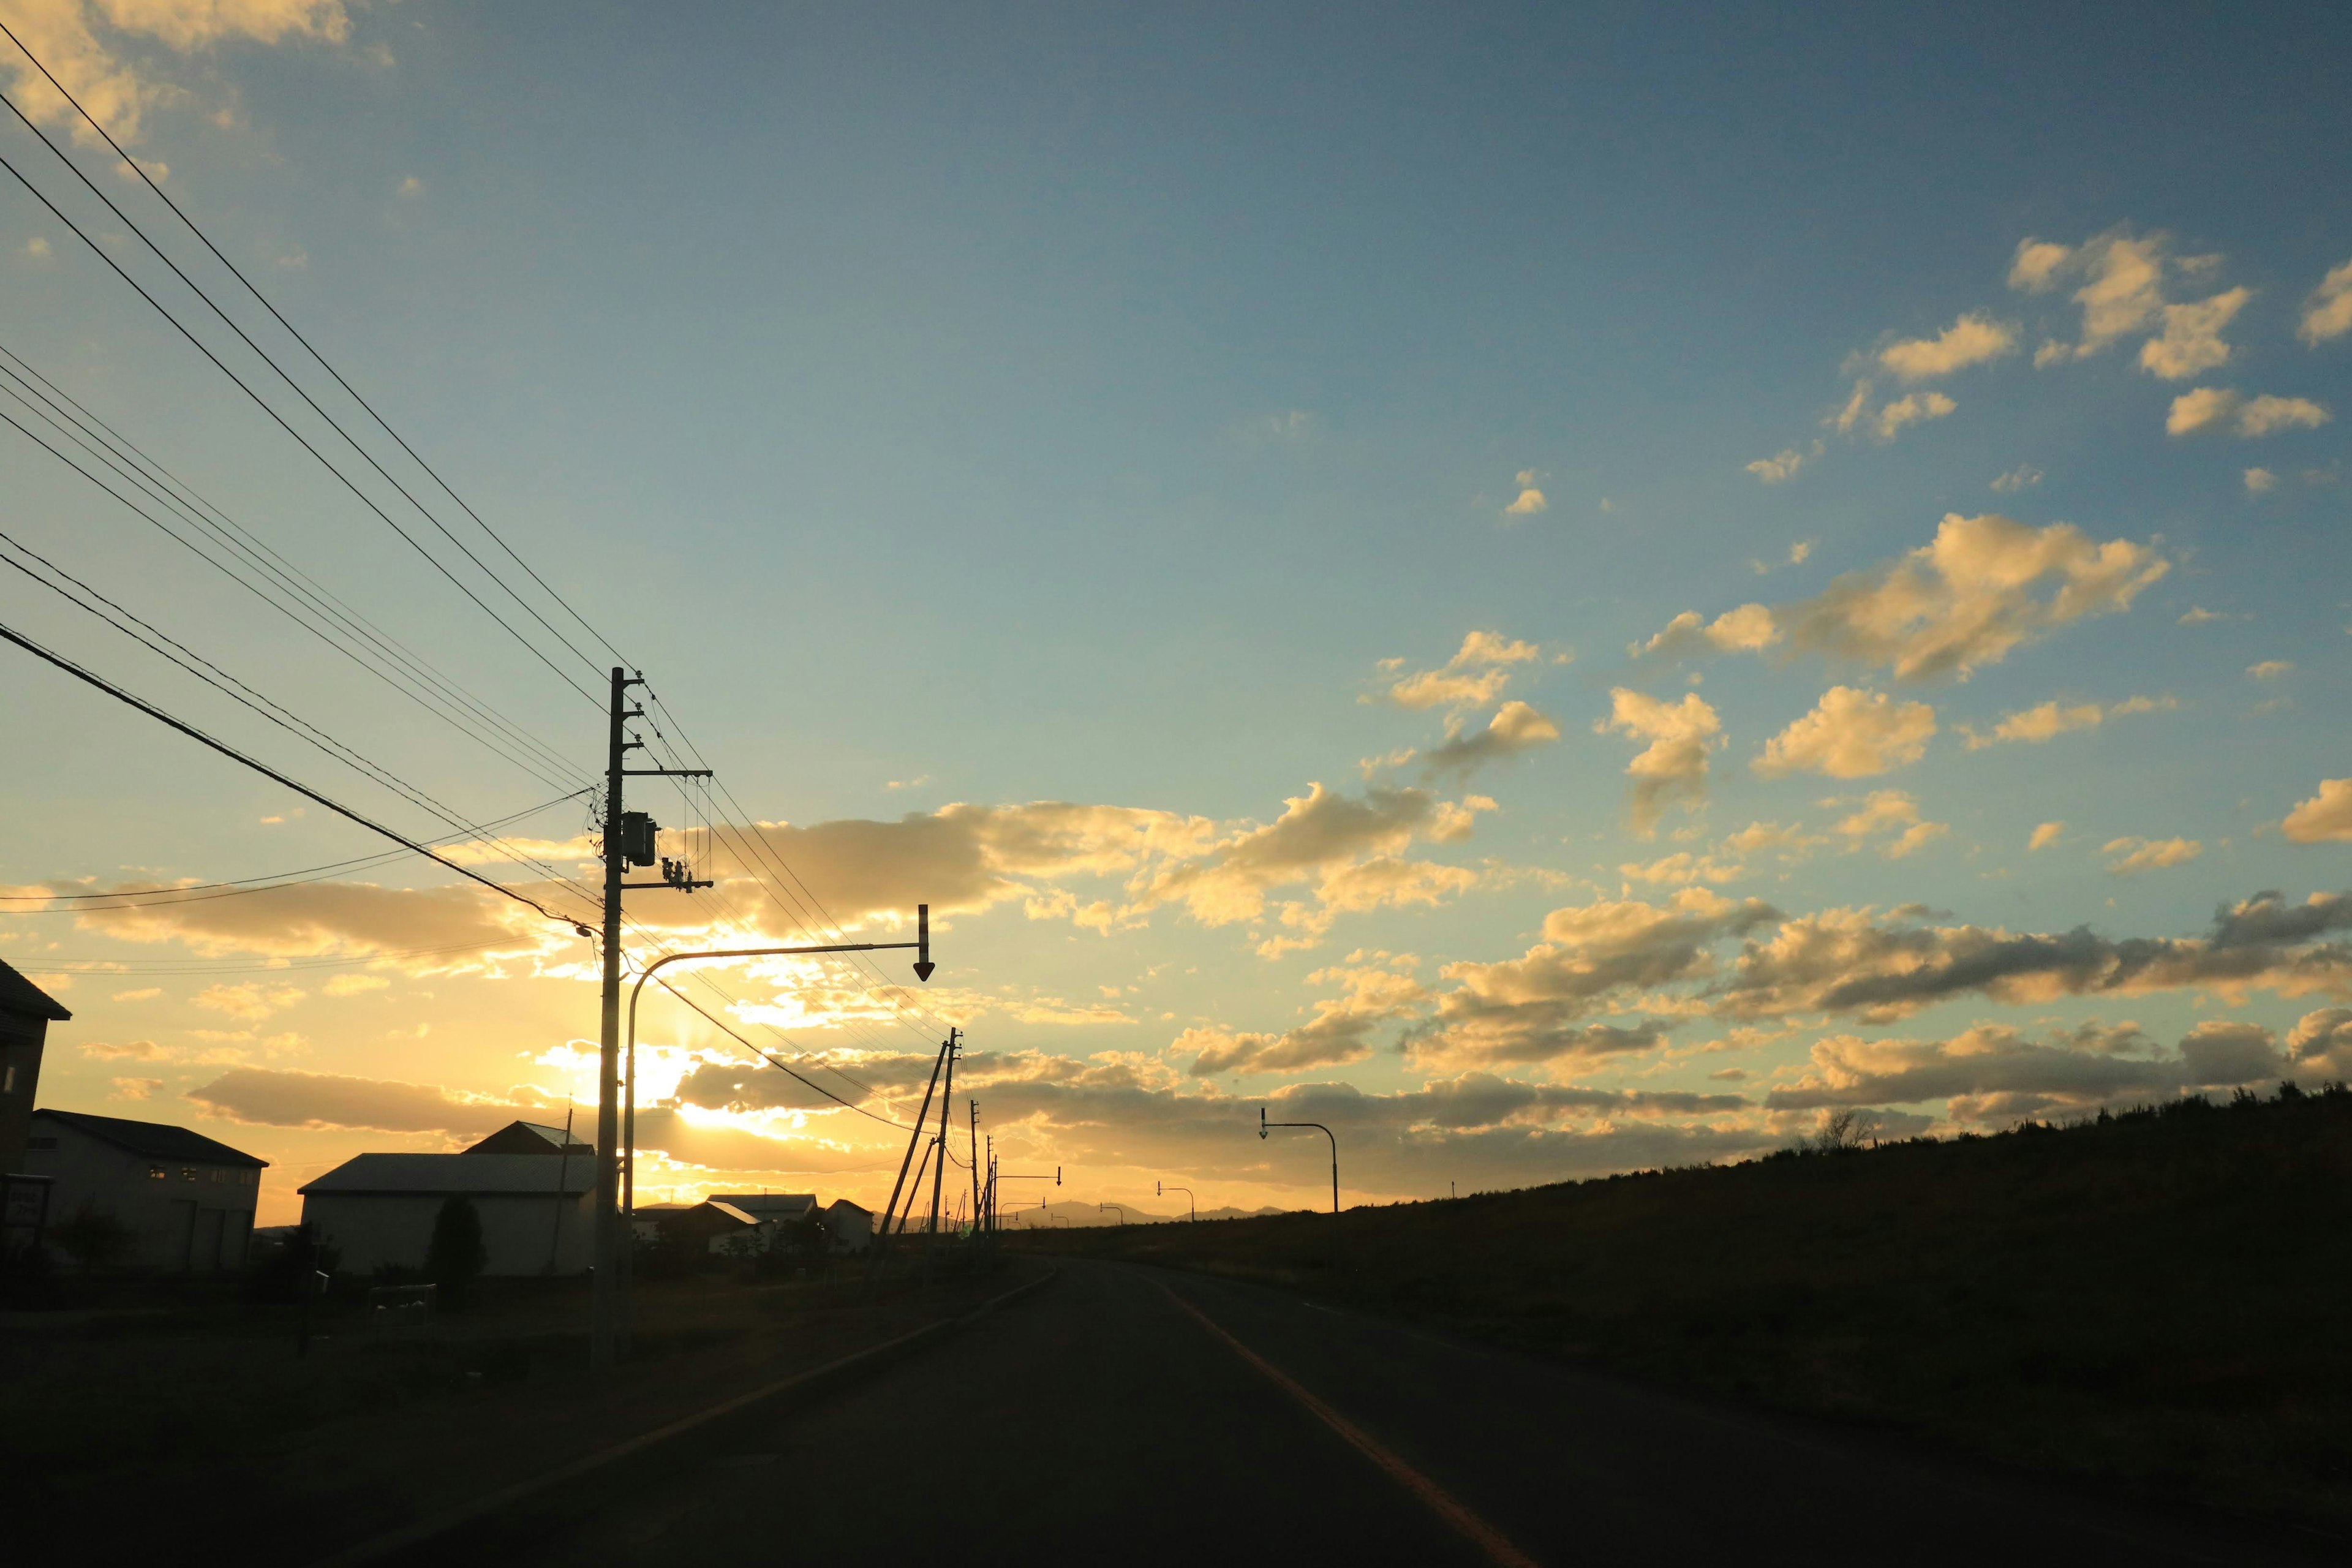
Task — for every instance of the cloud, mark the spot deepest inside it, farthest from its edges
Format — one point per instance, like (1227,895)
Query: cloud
(2024,477)
(2044,835)
(1967,599)
(1317,836)
(2048,721)
(1530,500)
(248,1001)
(1992,1073)
(1473,678)
(2320,1044)
(1538,1008)
(1851,961)
(2038,266)
(135,1088)
(271,1097)
(1747,629)
(1341,1030)
(410,186)
(2270,668)
(36,247)
(1891,811)
(1515,730)
(1674,767)
(1680,870)
(2325,817)
(2137,855)
(2197,616)
(427,926)
(1850,734)
(1973,339)
(2261,481)
(129,1050)
(2216,409)
(86,53)
(2328,312)
(1911,409)
(2191,339)
(1777,469)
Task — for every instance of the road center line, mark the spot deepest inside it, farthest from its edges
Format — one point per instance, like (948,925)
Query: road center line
(1492,1542)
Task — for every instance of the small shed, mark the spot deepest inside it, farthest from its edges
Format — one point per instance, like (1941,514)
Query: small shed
(187,1200)
(378,1209)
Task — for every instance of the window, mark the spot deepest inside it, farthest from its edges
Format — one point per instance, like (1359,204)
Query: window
(156,1172)
(219,1176)
(8,1082)
(187,1172)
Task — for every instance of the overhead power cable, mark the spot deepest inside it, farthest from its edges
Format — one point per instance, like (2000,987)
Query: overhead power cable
(225,748)
(263,404)
(234,271)
(664,983)
(384,657)
(201,892)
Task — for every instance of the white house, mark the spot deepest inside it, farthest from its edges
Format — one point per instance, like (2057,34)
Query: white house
(850,1226)
(186,1199)
(536,1210)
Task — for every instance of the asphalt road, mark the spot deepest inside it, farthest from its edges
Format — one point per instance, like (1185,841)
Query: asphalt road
(1101,1421)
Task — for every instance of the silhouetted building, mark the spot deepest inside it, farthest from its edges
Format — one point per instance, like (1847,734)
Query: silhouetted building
(714,1225)
(850,1225)
(531,1138)
(26,1014)
(187,1200)
(379,1209)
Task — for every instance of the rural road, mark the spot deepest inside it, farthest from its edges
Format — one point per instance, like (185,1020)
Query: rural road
(1102,1421)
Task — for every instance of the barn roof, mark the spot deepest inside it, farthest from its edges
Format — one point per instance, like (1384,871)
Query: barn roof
(20,995)
(155,1139)
(443,1175)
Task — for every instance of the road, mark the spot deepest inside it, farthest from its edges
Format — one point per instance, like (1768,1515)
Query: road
(1124,1415)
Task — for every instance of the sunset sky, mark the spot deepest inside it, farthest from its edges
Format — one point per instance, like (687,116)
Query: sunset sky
(1559,588)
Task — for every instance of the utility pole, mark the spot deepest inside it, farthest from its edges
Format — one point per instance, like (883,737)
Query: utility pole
(629,840)
(1264,1126)
(939,1173)
(973,1106)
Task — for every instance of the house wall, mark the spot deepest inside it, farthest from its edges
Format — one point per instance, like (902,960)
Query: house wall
(183,1218)
(519,1230)
(20,1078)
(852,1227)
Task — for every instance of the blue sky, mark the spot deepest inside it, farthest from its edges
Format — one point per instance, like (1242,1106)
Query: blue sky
(960,408)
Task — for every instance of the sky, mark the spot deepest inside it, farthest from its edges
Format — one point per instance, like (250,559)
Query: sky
(1557,589)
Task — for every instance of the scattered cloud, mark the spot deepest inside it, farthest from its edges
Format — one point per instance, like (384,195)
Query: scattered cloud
(2038,266)
(2191,342)
(2196,616)
(2048,721)
(1973,339)
(1680,870)
(1781,468)
(1341,1031)
(1674,767)
(36,247)
(2270,668)
(2325,817)
(2261,481)
(1849,734)
(1981,588)
(1911,409)
(1890,812)
(2222,410)
(2044,835)
(1473,678)
(135,1088)
(2137,855)
(2319,1047)
(2022,478)
(129,1050)
(410,186)
(2122,293)
(2328,312)
(1515,730)
(1530,502)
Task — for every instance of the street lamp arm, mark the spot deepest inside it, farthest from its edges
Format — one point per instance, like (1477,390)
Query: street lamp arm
(1264,1127)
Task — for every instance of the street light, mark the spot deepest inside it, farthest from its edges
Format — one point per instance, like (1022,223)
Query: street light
(1161,1189)
(1115,1209)
(923,970)
(1264,1127)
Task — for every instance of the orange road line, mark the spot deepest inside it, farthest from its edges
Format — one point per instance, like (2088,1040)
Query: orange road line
(1492,1542)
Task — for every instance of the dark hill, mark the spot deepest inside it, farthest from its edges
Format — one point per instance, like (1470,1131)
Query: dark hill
(2163,1298)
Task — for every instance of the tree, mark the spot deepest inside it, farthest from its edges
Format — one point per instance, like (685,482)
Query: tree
(94,1235)
(1844,1130)
(455,1256)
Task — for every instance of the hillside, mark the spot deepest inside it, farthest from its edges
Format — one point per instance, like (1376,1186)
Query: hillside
(2156,1297)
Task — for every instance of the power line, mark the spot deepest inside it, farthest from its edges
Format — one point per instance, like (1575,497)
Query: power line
(263,404)
(136,167)
(408,669)
(120,695)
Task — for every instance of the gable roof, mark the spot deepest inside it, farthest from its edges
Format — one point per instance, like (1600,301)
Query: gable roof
(770,1206)
(531,1138)
(155,1139)
(444,1175)
(20,995)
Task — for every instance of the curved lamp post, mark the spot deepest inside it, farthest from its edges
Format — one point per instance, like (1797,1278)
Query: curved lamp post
(923,968)
(1115,1209)
(1161,1189)
(1264,1127)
